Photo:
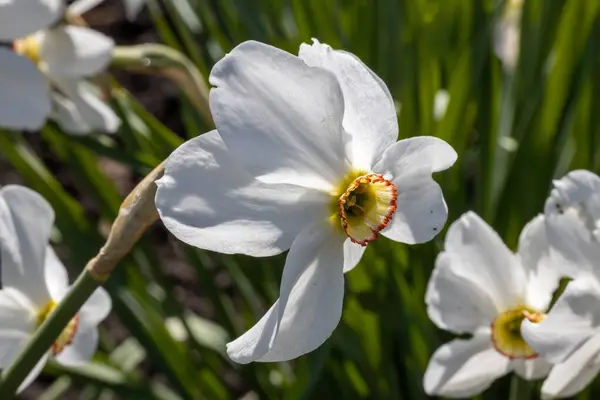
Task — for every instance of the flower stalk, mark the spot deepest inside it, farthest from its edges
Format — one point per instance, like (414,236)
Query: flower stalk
(47,333)
(163,60)
(519,389)
(135,215)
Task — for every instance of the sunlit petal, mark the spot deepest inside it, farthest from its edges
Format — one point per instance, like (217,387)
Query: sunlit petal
(369,111)
(24,97)
(269,102)
(310,303)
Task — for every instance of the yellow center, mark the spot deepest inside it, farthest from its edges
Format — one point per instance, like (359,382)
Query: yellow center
(363,205)
(28,47)
(506,332)
(66,336)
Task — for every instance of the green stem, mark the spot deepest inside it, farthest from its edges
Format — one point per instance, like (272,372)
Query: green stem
(161,59)
(47,333)
(519,389)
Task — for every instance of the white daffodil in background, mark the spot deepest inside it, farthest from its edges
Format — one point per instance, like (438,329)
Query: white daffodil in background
(570,335)
(34,281)
(479,287)
(440,104)
(304,158)
(507,34)
(44,74)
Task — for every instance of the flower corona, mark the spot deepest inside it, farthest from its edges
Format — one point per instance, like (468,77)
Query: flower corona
(366,207)
(506,332)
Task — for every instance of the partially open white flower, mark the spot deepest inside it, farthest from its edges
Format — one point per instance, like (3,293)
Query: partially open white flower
(440,104)
(507,34)
(480,287)
(570,335)
(34,281)
(305,158)
(43,76)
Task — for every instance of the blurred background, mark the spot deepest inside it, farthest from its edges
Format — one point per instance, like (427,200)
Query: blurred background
(516,118)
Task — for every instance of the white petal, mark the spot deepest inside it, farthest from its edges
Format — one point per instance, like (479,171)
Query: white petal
(133,8)
(25,223)
(280,118)
(572,320)
(572,213)
(455,302)
(55,275)
(421,211)
(530,370)
(67,115)
(574,243)
(579,187)
(94,310)
(310,303)
(464,368)
(74,51)
(352,254)
(540,264)
(479,255)
(575,373)
(19,18)
(24,98)
(207,200)
(416,156)
(17,323)
(11,343)
(81,350)
(369,112)
(35,372)
(79,7)
(17,313)
(82,111)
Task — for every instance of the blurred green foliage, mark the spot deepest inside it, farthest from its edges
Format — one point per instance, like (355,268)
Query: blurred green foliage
(514,132)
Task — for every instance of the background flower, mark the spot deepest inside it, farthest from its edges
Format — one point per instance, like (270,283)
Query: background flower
(507,34)
(481,288)
(65,56)
(34,281)
(570,335)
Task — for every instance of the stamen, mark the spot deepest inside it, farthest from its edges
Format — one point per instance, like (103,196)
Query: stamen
(66,336)
(28,47)
(506,332)
(366,206)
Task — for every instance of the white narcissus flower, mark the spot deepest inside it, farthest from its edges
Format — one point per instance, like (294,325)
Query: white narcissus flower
(440,104)
(479,287)
(44,75)
(507,34)
(34,281)
(304,158)
(570,335)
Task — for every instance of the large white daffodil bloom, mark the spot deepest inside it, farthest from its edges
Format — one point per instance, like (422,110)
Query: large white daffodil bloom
(34,281)
(570,335)
(304,158)
(43,75)
(479,287)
